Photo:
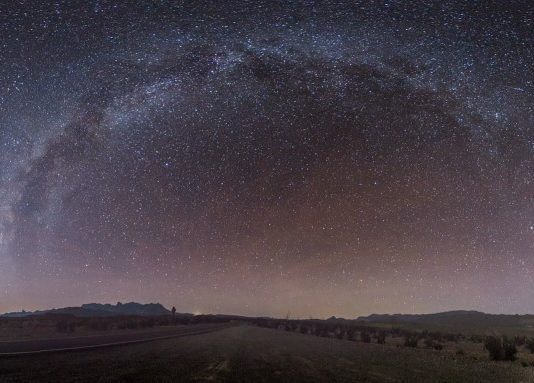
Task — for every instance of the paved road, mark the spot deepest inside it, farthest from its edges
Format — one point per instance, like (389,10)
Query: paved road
(36,346)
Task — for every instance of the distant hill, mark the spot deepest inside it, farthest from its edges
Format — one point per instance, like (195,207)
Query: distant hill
(97,309)
(457,320)
(131,308)
(461,315)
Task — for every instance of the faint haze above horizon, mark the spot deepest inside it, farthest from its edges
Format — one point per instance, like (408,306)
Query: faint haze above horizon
(263,157)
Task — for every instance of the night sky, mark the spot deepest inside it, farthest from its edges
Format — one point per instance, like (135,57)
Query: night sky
(265,157)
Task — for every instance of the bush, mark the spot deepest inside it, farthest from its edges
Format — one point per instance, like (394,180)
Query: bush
(451,338)
(366,338)
(410,340)
(132,324)
(147,323)
(438,346)
(165,322)
(99,325)
(530,344)
(65,326)
(62,326)
(510,349)
(500,348)
(494,347)
(520,340)
(381,337)
(436,335)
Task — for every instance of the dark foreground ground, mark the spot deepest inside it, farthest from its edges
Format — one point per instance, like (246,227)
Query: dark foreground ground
(251,354)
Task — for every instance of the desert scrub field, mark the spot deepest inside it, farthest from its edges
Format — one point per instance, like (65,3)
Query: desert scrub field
(251,354)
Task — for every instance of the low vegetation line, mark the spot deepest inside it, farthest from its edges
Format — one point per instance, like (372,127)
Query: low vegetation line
(498,347)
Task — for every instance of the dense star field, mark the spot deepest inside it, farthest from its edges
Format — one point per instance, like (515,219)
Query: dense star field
(259,157)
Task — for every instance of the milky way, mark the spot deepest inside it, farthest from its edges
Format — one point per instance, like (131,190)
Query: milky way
(321,158)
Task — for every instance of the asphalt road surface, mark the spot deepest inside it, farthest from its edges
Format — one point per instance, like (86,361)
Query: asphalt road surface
(36,346)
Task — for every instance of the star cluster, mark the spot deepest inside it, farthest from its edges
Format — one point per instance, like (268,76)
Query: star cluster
(258,157)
